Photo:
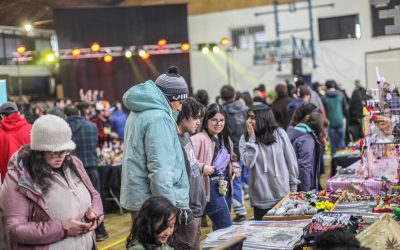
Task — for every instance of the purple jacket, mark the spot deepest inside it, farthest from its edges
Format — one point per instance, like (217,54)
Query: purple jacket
(308,152)
(27,220)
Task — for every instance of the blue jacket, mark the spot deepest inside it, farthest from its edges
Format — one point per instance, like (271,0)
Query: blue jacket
(308,152)
(153,162)
(293,105)
(118,120)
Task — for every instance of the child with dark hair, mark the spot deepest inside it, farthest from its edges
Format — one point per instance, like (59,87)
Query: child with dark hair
(307,127)
(338,239)
(266,150)
(153,225)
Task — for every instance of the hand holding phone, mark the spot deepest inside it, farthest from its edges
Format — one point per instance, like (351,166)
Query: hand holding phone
(91,216)
(91,219)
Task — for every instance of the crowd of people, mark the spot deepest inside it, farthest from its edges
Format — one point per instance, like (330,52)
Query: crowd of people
(93,125)
(183,158)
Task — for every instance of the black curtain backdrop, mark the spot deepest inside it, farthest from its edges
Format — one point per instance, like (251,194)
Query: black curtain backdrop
(119,26)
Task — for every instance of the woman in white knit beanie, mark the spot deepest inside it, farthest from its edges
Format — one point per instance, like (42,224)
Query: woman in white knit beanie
(49,201)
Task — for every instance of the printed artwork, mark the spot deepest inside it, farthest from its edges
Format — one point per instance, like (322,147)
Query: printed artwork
(385,17)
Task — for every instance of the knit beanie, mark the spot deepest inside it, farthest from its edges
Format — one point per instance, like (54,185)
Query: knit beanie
(51,133)
(173,85)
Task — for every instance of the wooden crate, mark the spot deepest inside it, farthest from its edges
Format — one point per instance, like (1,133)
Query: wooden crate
(296,217)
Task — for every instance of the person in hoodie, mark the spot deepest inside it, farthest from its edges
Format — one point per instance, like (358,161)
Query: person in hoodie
(188,237)
(280,104)
(14,132)
(153,161)
(305,133)
(84,135)
(236,124)
(335,108)
(118,120)
(266,149)
(304,95)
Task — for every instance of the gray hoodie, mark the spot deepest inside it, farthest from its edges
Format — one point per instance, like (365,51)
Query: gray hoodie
(197,197)
(273,169)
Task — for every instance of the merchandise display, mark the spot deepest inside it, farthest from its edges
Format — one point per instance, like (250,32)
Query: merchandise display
(303,204)
(363,197)
(260,234)
(386,203)
(111,154)
(326,221)
(378,168)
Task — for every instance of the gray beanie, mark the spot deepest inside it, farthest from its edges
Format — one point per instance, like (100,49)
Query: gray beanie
(173,85)
(51,133)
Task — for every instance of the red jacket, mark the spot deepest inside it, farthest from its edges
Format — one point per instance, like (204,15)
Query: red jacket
(27,220)
(15,131)
(103,128)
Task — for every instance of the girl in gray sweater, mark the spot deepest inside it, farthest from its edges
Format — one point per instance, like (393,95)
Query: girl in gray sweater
(266,150)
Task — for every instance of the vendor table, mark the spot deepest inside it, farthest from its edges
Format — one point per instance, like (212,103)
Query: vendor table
(110,185)
(356,184)
(344,160)
(359,186)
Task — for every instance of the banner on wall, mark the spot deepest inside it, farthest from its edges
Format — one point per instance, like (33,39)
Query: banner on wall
(3,91)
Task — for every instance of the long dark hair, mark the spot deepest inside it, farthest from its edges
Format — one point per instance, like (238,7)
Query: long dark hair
(211,111)
(154,210)
(265,124)
(39,170)
(301,112)
(310,115)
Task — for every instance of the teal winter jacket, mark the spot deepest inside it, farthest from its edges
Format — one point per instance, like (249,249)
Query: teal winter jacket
(153,161)
(335,108)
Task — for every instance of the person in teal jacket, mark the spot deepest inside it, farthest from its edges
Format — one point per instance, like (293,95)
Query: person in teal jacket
(153,162)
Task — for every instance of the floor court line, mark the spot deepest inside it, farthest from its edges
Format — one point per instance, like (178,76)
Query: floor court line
(113,244)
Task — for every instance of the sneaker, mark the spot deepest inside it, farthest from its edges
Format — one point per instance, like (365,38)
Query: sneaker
(239,218)
(101,237)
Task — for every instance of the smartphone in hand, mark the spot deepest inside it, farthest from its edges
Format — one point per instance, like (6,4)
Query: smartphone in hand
(87,220)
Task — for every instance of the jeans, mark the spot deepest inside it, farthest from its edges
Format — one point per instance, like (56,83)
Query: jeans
(336,138)
(238,200)
(245,173)
(93,174)
(218,207)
